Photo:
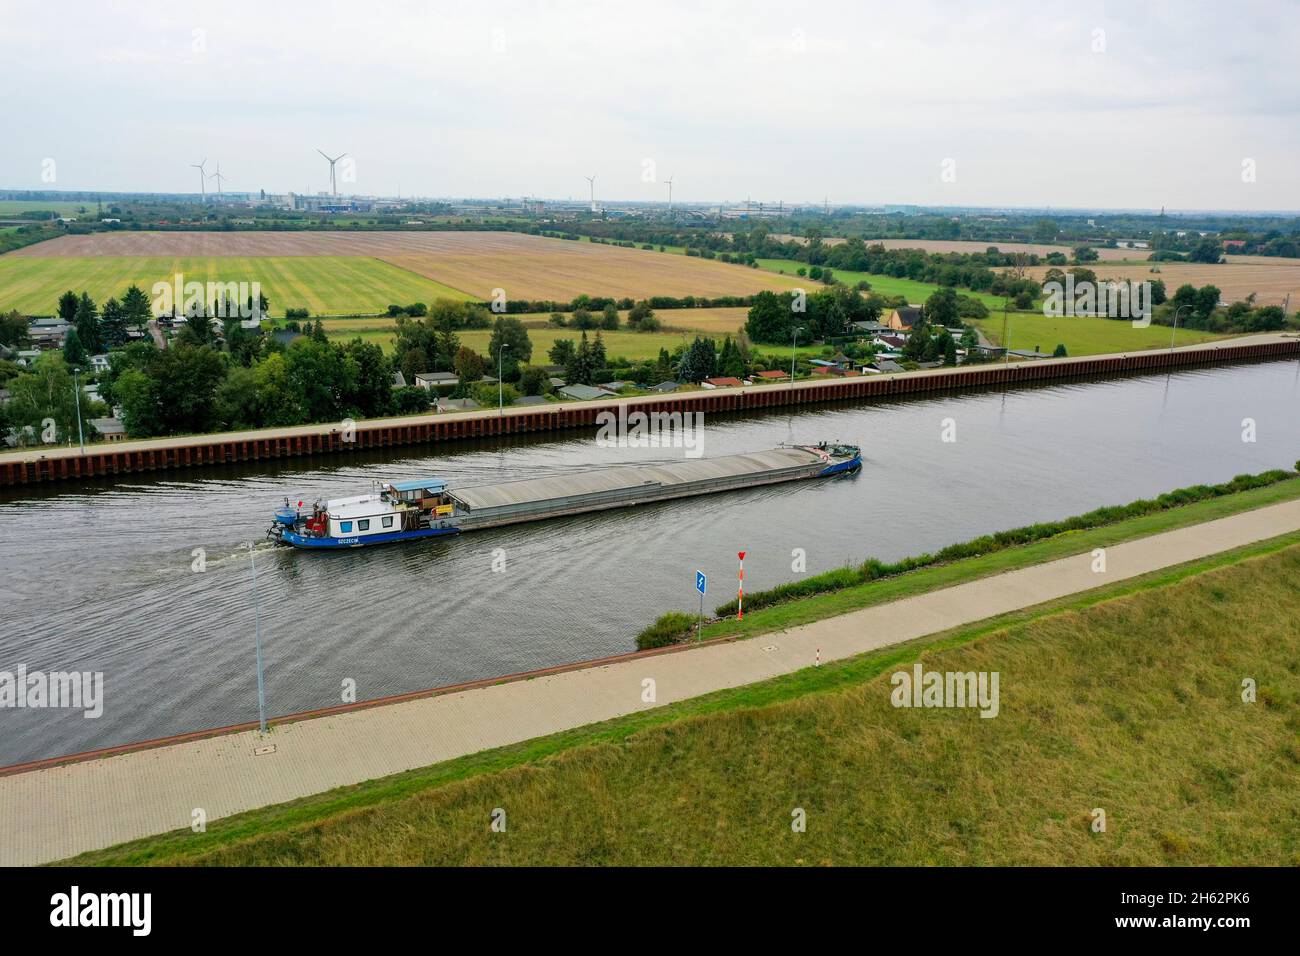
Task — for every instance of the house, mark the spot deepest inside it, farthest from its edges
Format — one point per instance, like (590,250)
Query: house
(110,429)
(871,328)
(585,393)
(99,362)
(771,375)
(904,318)
(615,386)
(884,366)
(894,342)
(48,333)
(724,381)
(531,400)
(556,382)
(285,337)
(665,387)
(454,404)
(399,380)
(428,380)
(1026,354)
(28,356)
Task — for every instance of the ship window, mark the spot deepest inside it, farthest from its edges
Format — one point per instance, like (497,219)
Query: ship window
(388,522)
(345,527)
(363,524)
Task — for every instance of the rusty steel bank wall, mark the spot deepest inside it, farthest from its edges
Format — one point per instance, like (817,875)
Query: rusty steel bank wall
(104,461)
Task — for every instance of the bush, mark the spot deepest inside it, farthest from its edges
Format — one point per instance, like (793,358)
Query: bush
(486,394)
(671,628)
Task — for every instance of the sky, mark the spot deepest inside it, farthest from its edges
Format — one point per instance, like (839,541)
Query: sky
(1082,104)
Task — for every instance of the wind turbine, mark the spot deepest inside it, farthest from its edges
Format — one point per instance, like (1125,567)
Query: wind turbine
(670,192)
(333,188)
(203,178)
(592,180)
(218,177)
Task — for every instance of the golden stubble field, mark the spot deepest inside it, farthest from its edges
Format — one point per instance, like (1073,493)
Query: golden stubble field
(477,263)
(1271,280)
(969,246)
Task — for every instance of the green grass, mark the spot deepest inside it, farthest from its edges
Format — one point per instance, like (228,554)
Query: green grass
(1081,335)
(916,292)
(324,284)
(323,827)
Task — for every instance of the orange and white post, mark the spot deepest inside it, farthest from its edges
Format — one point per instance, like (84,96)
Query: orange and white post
(740,596)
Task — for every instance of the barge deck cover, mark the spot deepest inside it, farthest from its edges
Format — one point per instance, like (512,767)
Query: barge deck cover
(627,478)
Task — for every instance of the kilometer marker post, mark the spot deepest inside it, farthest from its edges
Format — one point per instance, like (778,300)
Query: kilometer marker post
(740,596)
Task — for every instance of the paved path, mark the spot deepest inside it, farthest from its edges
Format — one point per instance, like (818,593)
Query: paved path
(54,813)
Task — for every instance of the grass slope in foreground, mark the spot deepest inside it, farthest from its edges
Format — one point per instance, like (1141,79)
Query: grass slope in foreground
(324,284)
(1132,705)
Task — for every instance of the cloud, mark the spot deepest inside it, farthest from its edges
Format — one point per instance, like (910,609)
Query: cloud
(1084,104)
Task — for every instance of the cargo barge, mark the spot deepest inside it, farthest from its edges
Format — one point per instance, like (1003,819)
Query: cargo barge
(428,508)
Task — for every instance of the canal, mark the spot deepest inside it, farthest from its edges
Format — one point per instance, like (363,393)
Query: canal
(144,580)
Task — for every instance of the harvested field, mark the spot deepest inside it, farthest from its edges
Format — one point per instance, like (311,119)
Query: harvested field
(1270,279)
(526,267)
(969,245)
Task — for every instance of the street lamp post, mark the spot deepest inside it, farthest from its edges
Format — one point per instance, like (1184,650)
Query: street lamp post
(76,393)
(257,638)
(794,338)
(1177,312)
(501,404)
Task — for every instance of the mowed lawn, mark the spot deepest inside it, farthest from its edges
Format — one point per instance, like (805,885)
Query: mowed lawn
(326,285)
(1132,706)
(916,292)
(1083,336)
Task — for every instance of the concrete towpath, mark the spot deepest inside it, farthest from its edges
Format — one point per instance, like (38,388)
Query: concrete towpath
(55,812)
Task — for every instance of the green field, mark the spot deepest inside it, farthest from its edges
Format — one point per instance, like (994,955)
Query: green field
(916,292)
(1083,336)
(327,285)
(1130,704)
(12,207)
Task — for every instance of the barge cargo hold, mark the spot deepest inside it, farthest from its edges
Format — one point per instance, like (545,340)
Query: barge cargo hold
(427,508)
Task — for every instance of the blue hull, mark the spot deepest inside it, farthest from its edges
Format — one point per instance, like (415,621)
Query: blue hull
(360,541)
(853,464)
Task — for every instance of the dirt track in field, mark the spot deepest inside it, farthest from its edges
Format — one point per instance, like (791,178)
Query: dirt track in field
(526,267)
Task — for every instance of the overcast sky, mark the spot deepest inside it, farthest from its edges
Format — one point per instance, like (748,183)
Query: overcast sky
(1081,103)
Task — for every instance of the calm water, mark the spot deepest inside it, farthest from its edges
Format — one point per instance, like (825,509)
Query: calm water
(100,578)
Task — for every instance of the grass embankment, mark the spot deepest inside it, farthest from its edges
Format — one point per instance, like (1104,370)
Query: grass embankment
(1131,705)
